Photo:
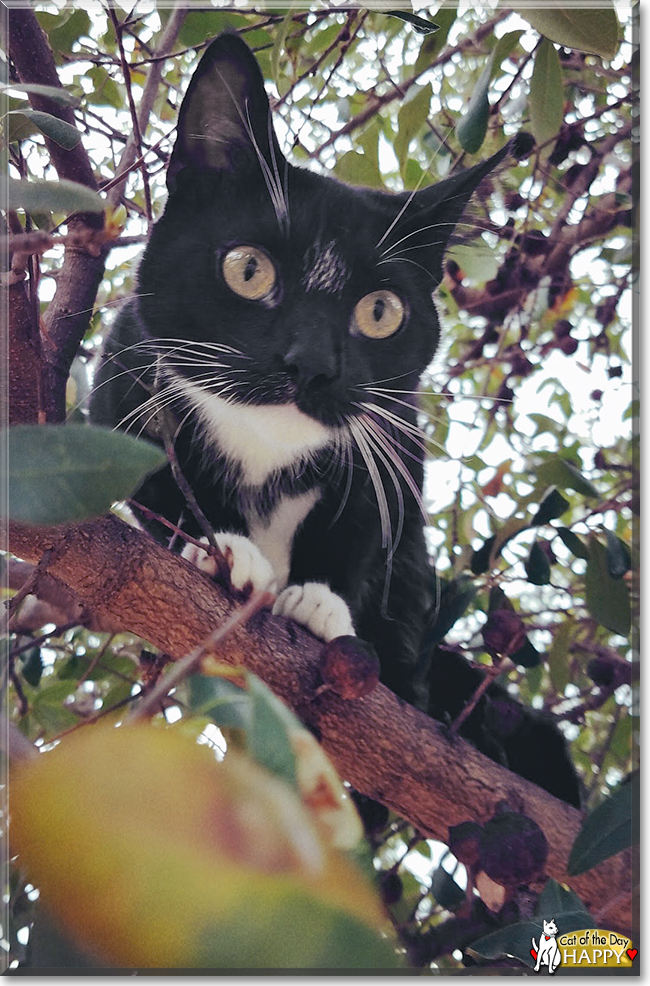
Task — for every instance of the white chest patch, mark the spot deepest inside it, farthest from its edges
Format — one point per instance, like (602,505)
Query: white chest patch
(274,534)
(261,439)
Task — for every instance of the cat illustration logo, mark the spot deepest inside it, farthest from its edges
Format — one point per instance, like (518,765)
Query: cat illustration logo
(590,948)
(547,953)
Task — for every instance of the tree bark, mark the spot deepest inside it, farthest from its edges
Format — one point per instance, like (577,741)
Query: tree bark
(68,315)
(384,747)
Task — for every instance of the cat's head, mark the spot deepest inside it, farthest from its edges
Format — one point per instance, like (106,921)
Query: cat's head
(550,928)
(300,289)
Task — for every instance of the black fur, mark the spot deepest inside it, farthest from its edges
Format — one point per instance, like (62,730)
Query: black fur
(297,348)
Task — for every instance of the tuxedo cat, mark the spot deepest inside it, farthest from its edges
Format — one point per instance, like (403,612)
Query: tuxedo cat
(285,320)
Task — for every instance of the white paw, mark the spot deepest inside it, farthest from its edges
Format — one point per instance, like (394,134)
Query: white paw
(247,564)
(316,607)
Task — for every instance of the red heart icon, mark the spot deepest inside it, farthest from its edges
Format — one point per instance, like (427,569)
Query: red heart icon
(633,952)
(534,954)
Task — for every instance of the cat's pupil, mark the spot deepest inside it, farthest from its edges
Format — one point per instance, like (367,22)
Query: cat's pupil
(378,309)
(251,269)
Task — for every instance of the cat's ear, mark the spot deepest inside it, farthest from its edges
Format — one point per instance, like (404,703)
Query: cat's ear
(431,219)
(224,121)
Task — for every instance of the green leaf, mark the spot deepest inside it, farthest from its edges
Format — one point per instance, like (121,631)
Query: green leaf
(224,701)
(411,118)
(419,24)
(573,543)
(50,712)
(472,126)
(561,901)
(551,505)
(66,29)
(558,656)
(55,196)
(445,890)
(546,97)
(606,830)
(358,169)
(619,560)
(32,669)
(62,133)
(557,471)
(512,940)
(61,96)
(105,89)
(278,47)
(433,44)
(537,565)
(268,736)
(608,599)
(63,473)
(587,29)
(502,49)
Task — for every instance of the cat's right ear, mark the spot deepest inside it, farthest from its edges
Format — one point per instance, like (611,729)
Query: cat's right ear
(224,123)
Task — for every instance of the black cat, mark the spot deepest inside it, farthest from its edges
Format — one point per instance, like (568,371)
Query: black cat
(286,319)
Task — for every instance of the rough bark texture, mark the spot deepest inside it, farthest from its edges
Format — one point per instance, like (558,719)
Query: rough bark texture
(385,748)
(67,316)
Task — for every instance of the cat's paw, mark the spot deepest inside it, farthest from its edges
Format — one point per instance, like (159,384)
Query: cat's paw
(316,607)
(248,566)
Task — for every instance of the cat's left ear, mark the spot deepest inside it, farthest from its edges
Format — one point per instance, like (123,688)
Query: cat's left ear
(224,123)
(436,210)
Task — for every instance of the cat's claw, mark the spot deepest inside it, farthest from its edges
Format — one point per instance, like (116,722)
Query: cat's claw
(316,607)
(248,566)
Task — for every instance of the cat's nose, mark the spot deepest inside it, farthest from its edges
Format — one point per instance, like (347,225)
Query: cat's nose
(308,361)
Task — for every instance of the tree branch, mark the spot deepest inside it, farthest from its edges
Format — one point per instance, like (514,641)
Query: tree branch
(384,747)
(68,315)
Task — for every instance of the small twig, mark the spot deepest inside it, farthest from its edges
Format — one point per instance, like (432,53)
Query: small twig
(37,641)
(39,570)
(178,531)
(23,704)
(502,664)
(126,73)
(165,421)
(187,664)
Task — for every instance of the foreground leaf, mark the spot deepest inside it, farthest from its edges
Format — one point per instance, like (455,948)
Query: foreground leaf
(64,473)
(587,29)
(59,131)
(54,93)
(607,830)
(50,196)
(149,853)
(608,599)
(546,99)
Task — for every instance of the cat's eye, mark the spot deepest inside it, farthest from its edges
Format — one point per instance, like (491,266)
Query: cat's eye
(378,315)
(250,273)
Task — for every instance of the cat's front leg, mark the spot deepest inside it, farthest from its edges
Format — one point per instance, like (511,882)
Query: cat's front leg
(249,569)
(317,608)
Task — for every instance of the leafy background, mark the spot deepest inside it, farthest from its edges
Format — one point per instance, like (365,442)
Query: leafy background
(530,410)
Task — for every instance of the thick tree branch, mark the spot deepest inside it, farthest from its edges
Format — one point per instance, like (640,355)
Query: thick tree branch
(384,747)
(68,315)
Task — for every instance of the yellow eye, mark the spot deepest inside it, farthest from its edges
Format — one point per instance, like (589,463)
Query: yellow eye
(249,273)
(378,315)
